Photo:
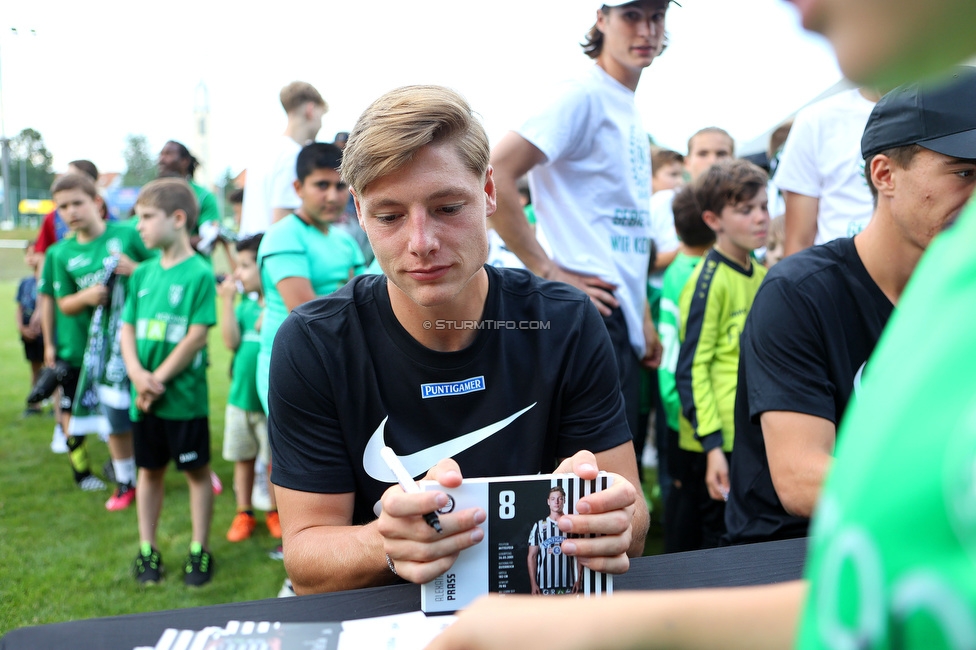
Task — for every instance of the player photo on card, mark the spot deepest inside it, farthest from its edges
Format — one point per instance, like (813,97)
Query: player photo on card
(522,550)
(525,543)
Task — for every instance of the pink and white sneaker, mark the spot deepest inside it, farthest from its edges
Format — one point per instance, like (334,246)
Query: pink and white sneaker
(122,499)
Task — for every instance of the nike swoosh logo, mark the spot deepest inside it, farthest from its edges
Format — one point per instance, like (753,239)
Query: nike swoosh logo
(857,378)
(419,462)
(142,292)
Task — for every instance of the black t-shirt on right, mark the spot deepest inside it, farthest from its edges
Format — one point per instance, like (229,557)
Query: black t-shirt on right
(813,325)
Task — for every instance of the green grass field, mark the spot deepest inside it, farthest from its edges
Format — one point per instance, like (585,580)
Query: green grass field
(62,555)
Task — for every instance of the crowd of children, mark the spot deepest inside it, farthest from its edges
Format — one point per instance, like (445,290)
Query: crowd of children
(131,304)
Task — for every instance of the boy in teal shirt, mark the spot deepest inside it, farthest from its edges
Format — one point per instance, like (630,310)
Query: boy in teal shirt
(713,304)
(170,307)
(303,256)
(86,275)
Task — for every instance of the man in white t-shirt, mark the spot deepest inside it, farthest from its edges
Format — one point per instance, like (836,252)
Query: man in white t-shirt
(270,186)
(587,156)
(821,172)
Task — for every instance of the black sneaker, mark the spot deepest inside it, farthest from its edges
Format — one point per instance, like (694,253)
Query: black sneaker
(149,566)
(198,568)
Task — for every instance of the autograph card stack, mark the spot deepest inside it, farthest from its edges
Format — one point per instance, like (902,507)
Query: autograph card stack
(521,552)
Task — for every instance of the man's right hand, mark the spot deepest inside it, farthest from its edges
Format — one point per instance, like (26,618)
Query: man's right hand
(418,552)
(600,291)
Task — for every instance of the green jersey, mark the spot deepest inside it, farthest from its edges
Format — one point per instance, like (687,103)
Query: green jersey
(674,280)
(243,387)
(892,561)
(162,305)
(71,266)
(714,304)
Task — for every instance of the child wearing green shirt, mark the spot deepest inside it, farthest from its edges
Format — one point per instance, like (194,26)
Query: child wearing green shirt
(170,307)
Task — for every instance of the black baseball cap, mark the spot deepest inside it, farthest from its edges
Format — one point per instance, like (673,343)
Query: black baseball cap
(940,116)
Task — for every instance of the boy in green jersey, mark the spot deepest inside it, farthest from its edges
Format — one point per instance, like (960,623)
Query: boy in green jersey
(713,304)
(170,307)
(245,424)
(86,276)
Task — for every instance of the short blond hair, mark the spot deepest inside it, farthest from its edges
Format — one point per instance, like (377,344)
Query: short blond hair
(398,124)
(297,94)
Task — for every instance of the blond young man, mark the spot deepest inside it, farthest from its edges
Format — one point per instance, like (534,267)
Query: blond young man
(430,359)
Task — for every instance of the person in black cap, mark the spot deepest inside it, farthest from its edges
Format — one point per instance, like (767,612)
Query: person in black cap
(820,312)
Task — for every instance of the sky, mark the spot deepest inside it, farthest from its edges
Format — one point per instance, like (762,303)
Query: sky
(93,72)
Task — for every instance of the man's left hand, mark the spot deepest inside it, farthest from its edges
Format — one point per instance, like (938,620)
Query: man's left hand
(608,513)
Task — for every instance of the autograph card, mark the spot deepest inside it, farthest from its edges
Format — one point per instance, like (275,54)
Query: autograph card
(521,552)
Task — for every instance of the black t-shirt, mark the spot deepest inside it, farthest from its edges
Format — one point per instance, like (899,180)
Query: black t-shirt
(538,383)
(813,325)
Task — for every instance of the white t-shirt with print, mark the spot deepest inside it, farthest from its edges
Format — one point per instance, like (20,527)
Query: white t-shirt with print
(592,195)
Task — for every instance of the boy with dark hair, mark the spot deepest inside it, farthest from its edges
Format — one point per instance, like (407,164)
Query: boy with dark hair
(245,424)
(303,255)
(84,275)
(170,307)
(696,239)
(713,305)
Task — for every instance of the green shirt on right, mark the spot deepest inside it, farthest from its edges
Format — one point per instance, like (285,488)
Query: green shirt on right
(892,559)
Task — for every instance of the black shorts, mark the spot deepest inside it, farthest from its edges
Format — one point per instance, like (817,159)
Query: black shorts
(34,350)
(157,441)
(69,386)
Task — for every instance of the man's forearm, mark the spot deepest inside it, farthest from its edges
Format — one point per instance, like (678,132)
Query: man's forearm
(336,558)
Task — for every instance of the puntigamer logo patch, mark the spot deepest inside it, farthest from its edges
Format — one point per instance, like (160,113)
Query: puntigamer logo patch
(448,388)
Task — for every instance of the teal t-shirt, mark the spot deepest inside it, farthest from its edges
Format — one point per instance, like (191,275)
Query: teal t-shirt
(71,266)
(161,305)
(674,280)
(892,561)
(292,248)
(243,389)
